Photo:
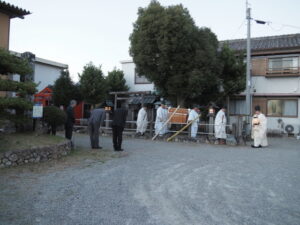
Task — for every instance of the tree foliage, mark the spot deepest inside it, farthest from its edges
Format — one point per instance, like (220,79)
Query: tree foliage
(54,116)
(232,77)
(92,83)
(115,81)
(64,90)
(13,108)
(12,64)
(181,59)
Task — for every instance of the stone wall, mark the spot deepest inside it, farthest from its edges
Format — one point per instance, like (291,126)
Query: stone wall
(34,155)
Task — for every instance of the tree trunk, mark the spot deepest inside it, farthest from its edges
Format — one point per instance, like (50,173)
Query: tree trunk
(180,101)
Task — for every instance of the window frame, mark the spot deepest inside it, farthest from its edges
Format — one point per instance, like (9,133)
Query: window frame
(283,99)
(283,71)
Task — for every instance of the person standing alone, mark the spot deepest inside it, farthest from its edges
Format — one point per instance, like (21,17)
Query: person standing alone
(70,120)
(142,121)
(118,124)
(194,116)
(95,121)
(220,126)
(259,129)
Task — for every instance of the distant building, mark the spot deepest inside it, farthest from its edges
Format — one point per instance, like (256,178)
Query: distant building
(135,81)
(45,71)
(275,78)
(8,12)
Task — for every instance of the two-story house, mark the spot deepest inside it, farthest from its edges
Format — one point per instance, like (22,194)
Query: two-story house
(275,80)
(275,77)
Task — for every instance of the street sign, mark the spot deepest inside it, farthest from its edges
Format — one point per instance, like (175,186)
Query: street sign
(37,111)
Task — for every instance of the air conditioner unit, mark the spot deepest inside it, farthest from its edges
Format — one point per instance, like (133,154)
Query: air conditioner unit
(289,129)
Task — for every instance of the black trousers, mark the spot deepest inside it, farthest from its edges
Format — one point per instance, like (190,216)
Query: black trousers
(117,136)
(68,131)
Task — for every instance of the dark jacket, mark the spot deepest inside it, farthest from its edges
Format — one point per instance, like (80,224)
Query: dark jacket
(70,116)
(97,117)
(119,117)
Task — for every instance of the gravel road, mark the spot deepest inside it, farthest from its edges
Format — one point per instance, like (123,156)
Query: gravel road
(159,183)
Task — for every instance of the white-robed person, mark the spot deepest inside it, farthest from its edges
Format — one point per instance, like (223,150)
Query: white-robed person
(259,129)
(220,125)
(194,116)
(142,121)
(161,118)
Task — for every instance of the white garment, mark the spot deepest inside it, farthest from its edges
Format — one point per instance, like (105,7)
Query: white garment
(259,131)
(142,121)
(194,127)
(220,125)
(161,118)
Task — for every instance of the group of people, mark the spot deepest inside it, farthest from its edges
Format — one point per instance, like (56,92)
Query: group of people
(97,116)
(95,121)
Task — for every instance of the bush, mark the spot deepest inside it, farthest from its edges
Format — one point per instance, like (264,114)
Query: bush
(54,116)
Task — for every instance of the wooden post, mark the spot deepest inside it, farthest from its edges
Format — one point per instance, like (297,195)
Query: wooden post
(107,120)
(115,106)
(151,123)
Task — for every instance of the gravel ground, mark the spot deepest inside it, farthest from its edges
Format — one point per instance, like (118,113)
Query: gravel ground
(160,183)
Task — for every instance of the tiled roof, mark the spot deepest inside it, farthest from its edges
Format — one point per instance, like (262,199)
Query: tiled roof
(12,11)
(266,43)
(138,100)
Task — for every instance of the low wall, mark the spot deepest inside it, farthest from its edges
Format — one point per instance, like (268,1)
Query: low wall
(34,155)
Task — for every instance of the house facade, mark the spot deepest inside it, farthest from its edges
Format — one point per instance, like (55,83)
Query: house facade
(45,71)
(135,81)
(275,80)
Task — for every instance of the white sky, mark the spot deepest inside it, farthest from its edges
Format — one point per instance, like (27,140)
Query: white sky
(76,32)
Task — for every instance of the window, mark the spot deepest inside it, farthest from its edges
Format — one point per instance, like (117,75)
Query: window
(283,107)
(287,65)
(140,79)
(237,107)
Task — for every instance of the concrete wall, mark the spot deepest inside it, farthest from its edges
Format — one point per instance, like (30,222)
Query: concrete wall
(276,85)
(45,74)
(129,74)
(4,31)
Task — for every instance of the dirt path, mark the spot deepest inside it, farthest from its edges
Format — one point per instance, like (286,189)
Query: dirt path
(158,183)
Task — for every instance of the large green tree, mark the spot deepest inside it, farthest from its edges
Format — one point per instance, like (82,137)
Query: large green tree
(232,76)
(171,51)
(13,108)
(115,81)
(92,84)
(64,90)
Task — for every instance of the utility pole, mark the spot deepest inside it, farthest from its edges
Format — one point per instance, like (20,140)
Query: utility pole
(248,68)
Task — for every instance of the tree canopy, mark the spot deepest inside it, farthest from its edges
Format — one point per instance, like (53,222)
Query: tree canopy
(64,90)
(93,85)
(13,108)
(181,59)
(115,81)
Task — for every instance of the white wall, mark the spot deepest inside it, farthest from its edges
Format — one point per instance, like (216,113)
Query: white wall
(128,68)
(273,85)
(45,74)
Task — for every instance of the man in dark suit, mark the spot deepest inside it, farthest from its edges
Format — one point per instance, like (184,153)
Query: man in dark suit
(70,120)
(118,124)
(95,121)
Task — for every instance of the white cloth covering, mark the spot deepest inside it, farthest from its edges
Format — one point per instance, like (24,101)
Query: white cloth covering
(142,121)
(259,130)
(194,127)
(161,118)
(220,125)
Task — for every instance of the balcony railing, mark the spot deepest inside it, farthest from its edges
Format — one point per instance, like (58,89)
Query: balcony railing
(284,71)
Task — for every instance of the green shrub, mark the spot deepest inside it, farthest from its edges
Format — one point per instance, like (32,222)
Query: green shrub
(54,116)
